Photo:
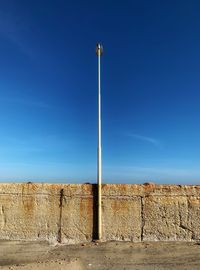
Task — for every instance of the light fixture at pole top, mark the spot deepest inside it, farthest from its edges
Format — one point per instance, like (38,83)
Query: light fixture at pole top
(99,49)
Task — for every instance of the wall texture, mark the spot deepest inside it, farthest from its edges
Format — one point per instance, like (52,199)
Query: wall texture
(67,213)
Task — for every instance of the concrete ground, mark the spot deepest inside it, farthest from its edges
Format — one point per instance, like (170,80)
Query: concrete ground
(15,255)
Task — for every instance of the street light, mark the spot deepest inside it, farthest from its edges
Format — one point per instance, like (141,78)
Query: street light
(99,51)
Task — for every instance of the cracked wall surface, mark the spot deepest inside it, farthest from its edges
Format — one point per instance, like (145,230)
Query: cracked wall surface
(67,213)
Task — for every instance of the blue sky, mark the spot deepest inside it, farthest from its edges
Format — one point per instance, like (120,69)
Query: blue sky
(150,91)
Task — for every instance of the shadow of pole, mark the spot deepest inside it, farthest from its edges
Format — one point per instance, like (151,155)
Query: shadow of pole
(95,212)
(60,218)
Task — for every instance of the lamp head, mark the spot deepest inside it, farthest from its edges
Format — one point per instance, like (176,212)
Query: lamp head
(99,49)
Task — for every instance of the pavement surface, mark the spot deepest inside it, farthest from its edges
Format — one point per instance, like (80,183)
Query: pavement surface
(16,255)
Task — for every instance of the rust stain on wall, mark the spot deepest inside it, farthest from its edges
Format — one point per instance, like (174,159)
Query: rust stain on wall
(86,209)
(28,198)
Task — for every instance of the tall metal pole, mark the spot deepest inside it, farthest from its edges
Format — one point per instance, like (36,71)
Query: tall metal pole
(99,51)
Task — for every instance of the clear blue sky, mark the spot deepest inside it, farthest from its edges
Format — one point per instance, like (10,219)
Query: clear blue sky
(150,90)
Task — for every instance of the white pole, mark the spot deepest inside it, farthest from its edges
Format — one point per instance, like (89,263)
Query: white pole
(99,51)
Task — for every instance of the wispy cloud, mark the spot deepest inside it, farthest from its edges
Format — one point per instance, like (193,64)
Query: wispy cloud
(145,139)
(26,102)
(13,29)
(40,146)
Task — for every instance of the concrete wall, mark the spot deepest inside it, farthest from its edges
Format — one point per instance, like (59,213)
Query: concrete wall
(68,213)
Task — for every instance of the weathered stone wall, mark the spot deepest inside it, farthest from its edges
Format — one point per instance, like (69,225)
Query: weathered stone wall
(67,213)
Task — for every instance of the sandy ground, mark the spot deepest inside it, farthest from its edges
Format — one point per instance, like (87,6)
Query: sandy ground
(16,255)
